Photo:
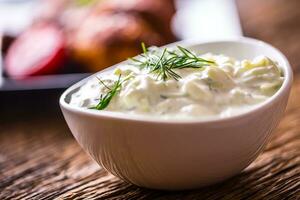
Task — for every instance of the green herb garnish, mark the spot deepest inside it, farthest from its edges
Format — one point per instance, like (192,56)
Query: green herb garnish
(164,62)
(161,62)
(112,91)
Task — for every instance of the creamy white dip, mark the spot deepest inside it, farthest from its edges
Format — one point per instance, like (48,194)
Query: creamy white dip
(222,89)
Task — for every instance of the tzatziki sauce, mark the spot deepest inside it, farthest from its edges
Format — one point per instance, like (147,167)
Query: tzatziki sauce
(222,87)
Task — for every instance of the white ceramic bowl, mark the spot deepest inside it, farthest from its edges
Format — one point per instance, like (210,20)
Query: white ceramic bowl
(176,155)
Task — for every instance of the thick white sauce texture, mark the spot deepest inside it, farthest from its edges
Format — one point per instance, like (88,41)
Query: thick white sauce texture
(223,89)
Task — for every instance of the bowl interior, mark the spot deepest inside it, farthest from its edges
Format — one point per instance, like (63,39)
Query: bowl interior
(240,48)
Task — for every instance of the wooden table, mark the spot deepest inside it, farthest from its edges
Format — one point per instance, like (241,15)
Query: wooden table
(39,159)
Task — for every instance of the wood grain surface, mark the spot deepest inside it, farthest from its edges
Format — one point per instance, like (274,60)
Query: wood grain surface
(39,159)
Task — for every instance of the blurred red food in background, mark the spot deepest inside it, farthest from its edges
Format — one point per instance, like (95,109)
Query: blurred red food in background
(93,34)
(39,50)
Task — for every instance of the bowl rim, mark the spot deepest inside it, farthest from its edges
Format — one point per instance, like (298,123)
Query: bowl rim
(288,74)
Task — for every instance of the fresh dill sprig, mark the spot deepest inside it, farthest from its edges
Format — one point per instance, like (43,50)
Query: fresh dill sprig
(164,62)
(106,98)
(160,62)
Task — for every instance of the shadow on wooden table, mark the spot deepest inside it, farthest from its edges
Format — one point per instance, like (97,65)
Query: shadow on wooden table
(22,105)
